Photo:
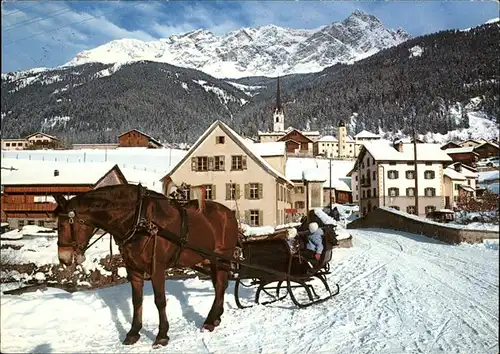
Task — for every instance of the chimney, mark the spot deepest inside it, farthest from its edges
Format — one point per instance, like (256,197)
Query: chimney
(458,167)
(56,173)
(398,145)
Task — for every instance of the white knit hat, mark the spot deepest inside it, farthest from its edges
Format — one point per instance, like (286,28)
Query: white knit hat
(313,227)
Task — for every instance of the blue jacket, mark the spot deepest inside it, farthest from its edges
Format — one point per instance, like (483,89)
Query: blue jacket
(315,241)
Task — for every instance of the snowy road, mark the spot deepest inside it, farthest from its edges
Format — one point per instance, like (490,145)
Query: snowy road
(399,293)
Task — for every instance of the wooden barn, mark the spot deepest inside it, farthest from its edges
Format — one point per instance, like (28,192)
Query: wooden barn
(487,149)
(295,142)
(28,188)
(465,155)
(136,138)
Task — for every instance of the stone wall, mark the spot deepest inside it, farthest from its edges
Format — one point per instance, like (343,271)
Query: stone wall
(387,218)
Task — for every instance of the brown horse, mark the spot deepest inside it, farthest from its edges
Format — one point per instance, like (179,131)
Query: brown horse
(153,234)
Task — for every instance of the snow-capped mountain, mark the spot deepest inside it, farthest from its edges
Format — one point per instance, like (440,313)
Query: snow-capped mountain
(264,51)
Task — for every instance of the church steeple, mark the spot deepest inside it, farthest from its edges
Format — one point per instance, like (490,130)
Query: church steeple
(279,114)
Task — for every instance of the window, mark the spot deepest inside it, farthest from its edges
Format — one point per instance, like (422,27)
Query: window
(429,209)
(395,207)
(468,182)
(393,192)
(374,192)
(429,174)
(253,190)
(410,192)
(410,163)
(20,223)
(374,175)
(209,191)
(299,189)
(392,163)
(457,187)
(219,140)
(430,192)
(410,174)
(428,164)
(410,209)
(300,205)
(31,222)
(368,193)
(219,163)
(238,163)
(7,144)
(364,194)
(373,160)
(254,218)
(356,177)
(41,223)
(393,174)
(232,191)
(367,162)
(202,163)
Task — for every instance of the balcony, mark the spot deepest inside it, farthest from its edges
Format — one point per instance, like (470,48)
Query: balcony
(366,182)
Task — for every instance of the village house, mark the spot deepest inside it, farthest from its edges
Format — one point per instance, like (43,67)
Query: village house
(42,140)
(14,144)
(234,175)
(460,183)
(450,145)
(28,187)
(136,138)
(486,149)
(465,155)
(472,143)
(384,175)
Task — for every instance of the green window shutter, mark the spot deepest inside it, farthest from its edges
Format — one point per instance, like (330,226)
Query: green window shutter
(228,191)
(247,216)
(261,221)
(244,162)
(213,192)
(247,191)
(278,191)
(260,189)
(210,163)
(193,163)
(238,191)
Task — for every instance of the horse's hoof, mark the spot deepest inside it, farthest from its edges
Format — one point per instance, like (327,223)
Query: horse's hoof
(131,339)
(209,327)
(160,342)
(217,323)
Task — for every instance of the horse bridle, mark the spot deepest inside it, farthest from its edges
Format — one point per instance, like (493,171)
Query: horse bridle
(72,214)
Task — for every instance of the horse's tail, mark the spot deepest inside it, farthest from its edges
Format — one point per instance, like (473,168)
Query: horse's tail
(199,193)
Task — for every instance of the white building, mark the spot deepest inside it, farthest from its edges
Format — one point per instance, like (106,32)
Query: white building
(384,175)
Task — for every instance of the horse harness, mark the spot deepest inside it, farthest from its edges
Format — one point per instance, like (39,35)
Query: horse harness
(142,224)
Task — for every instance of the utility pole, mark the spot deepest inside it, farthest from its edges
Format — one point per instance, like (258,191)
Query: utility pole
(414,124)
(330,202)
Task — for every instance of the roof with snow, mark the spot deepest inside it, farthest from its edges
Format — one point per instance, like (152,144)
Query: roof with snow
(460,150)
(328,138)
(44,134)
(365,134)
(382,151)
(467,171)
(297,168)
(268,149)
(248,148)
(454,175)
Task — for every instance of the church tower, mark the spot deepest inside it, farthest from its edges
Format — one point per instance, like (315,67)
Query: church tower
(342,137)
(279,114)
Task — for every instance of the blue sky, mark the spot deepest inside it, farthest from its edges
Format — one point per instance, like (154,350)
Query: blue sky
(50,33)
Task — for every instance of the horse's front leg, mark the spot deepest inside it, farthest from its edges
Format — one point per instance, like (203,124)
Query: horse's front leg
(220,281)
(137,283)
(158,282)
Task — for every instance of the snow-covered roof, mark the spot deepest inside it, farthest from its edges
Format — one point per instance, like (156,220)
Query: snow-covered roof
(489,176)
(313,175)
(146,135)
(42,172)
(466,171)
(460,150)
(276,148)
(467,188)
(328,138)
(451,173)
(382,151)
(487,143)
(365,134)
(295,167)
(44,134)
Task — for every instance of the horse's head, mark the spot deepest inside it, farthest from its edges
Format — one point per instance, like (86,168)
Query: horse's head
(73,229)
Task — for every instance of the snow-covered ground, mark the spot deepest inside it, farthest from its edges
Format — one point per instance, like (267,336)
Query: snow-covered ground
(398,293)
